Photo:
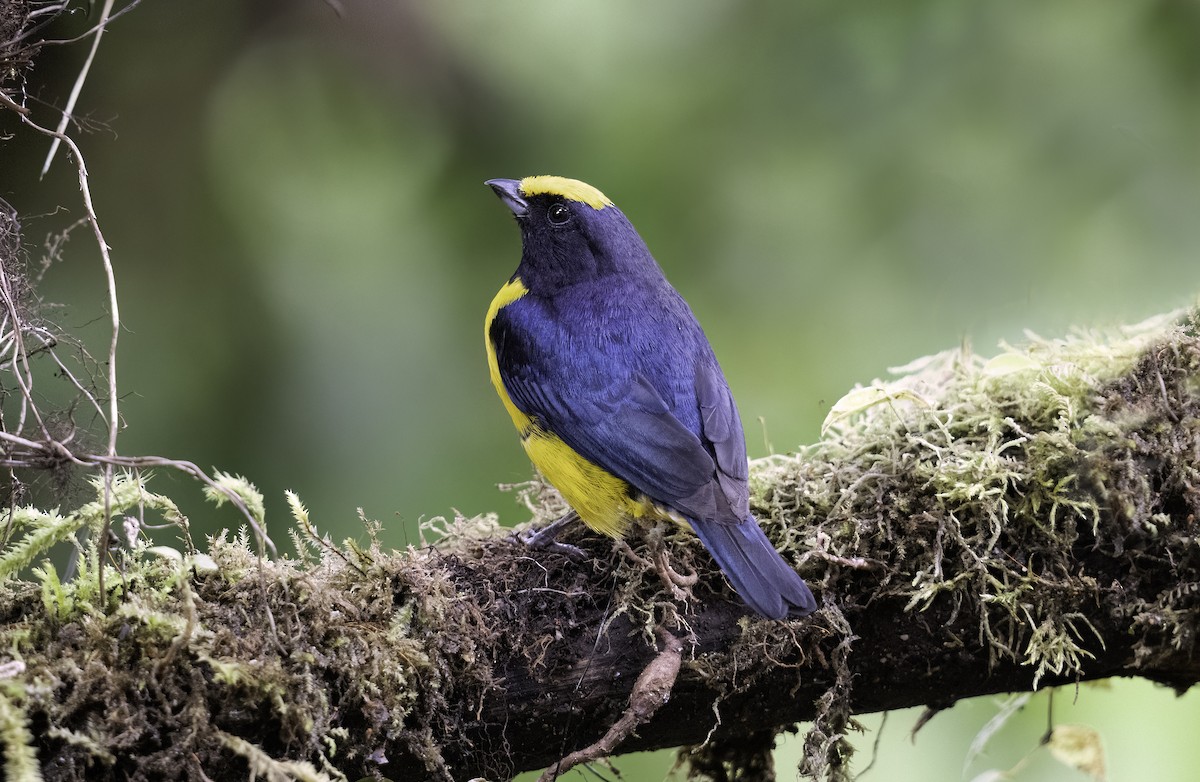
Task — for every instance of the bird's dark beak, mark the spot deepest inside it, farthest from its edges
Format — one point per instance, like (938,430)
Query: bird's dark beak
(509,191)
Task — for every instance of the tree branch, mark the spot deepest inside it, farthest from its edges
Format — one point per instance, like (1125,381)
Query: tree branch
(972,527)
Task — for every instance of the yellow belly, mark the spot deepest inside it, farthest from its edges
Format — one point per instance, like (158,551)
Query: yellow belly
(602,500)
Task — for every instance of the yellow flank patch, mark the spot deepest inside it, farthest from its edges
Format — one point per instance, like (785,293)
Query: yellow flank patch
(600,498)
(571,189)
(510,292)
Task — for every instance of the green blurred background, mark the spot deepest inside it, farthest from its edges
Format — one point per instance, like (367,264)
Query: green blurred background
(305,248)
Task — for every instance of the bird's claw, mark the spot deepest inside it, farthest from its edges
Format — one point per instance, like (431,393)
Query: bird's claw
(546,538)
(536,539)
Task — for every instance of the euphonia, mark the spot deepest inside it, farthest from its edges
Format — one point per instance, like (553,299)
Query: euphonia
(614,388)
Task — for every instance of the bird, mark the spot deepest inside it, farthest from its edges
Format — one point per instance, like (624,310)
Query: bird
(616,392)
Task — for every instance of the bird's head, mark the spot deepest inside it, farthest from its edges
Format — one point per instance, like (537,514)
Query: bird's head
(570,232)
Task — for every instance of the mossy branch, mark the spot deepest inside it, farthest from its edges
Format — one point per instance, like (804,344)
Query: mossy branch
(972,527)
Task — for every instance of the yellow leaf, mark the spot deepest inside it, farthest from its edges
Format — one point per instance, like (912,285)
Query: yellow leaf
(861,399)
(992,775)
(167,553)
(1008,363)
(1078,746)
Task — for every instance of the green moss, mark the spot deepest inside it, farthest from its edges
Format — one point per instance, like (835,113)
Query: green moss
(970,483)
(930,470)
(963,483)
(20,757)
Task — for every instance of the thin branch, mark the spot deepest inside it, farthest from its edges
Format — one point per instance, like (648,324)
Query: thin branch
(60,132)
(110,278)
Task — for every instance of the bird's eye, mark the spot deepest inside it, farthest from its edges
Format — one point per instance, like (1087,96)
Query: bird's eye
(558,214)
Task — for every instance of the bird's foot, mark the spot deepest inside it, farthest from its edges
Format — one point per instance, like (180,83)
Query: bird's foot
(679,584)
(546,538)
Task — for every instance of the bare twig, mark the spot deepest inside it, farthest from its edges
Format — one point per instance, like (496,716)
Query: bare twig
(188,468)
(650,692)
(114,309)
(59,134)
(52,450)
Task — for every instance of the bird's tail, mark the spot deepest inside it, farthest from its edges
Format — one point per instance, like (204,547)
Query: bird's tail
(759,575)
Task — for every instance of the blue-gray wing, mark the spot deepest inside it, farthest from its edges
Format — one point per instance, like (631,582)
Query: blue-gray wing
(669,427)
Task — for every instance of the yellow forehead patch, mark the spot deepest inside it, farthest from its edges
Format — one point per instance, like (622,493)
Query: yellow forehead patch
(571,189)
